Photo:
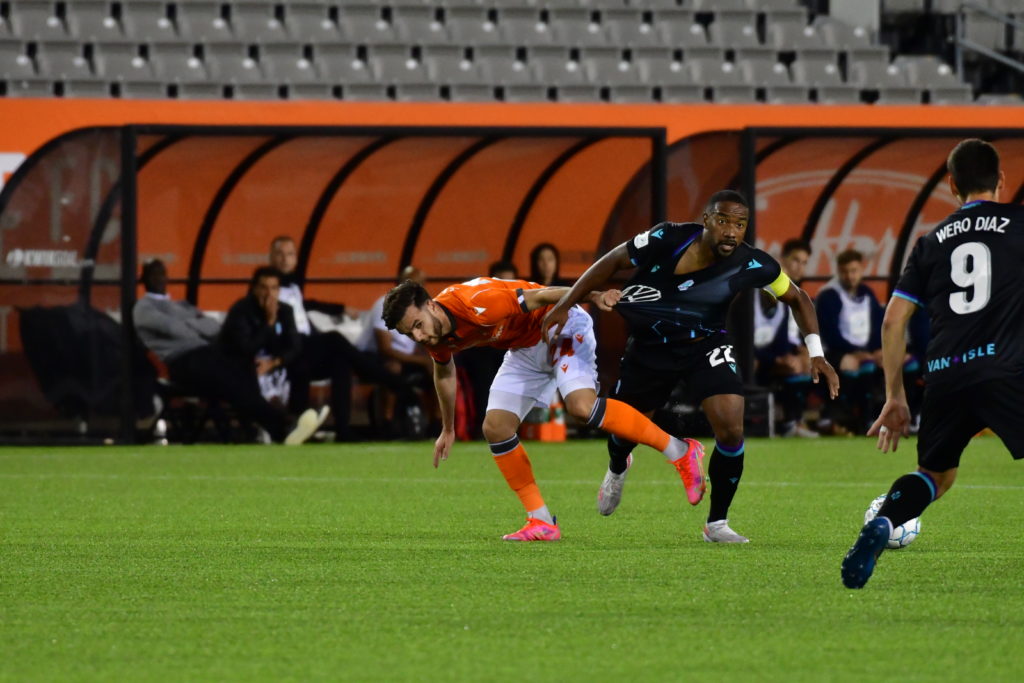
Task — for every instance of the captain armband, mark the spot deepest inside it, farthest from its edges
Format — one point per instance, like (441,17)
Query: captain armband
(779,285)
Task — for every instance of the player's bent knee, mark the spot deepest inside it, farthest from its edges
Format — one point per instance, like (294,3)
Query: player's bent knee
(497,430)
(580,403)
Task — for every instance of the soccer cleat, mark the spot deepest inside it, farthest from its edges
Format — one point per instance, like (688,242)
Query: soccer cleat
(536,530)
(859,562)
(306,426)
(691,470)
(719,532)
(610,494)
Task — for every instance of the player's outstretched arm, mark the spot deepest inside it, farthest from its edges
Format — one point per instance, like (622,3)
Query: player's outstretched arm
(446,384)
(807,320)
(595,276)
(539,298)
(894,419)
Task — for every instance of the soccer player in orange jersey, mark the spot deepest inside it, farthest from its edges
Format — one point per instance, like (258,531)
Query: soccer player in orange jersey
(507,314)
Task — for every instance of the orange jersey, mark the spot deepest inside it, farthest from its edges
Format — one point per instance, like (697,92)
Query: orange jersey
(488,312)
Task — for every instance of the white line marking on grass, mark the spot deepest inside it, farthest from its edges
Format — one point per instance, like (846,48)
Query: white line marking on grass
(438,480)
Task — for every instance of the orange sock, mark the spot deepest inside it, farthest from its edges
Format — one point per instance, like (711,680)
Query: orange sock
(510,456)
(623,420)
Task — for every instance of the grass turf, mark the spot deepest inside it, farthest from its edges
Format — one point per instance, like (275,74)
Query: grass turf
(363,563)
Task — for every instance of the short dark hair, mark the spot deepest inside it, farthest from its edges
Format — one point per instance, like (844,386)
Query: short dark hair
(281,238)
(148,269)
(849,256)
(974,165)
(399,299)
(726,196)
(499,266)
(795,244)
(262,272)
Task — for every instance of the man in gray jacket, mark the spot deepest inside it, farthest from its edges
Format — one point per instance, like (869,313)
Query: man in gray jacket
(180,335)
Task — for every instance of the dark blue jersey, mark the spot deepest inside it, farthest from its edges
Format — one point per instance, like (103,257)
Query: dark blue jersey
(662,307)
(969,273)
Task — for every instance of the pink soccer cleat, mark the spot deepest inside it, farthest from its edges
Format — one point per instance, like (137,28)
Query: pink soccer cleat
(691,470)
(535,530)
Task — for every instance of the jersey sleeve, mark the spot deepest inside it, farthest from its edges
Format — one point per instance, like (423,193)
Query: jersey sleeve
(440,355)
(766,273)
(492,305)
(911,285)
(648,245)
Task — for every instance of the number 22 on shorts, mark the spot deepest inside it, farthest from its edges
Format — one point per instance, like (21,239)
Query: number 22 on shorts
(720,354)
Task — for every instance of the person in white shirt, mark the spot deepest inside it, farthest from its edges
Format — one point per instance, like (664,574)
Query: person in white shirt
(325,355)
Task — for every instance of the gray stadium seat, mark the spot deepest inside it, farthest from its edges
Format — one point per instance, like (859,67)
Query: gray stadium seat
(608,66)
(714,72)
(525,93)
(998,99)
(502,66)
(254,91)
(471,92)
(577,27)
(898,95)
(15,62)
(93,21)
(762,70)
(719,5)
(772,5)
(122,63)
(629,28)
(522,26)
(657,67)
(985,31)
(364,92)
(631,94)
(872,75)
(679,28)
(257,22)
(310,22)
(231,63)
(838,34)
(29,87)
(734,29)
(682,93)
(36,20)
(198,91)
(787,94)
(728,93)
(365,24)
(146,21)
(396,64)
(90,88)
(419,25)
(839,94)
(816,68)
(310,91)
(449,64)
(471,26)
(286,64)
(338,63)
(62,61)
(790,31)
(177,63)
(926,70)
(554,65)
(202,22)
(579,93)
(140,90)
(951,94)
(417,92)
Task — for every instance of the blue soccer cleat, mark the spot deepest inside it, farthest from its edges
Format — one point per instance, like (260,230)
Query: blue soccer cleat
(859,563)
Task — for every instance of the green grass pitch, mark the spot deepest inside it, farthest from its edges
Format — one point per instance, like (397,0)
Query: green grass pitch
(362,562)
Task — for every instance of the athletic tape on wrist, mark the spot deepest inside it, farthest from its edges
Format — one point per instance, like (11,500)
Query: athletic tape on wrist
(814,348)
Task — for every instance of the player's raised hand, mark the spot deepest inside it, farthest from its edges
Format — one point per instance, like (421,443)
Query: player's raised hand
(821,367)
(892,422)
(443,446)
(605,301)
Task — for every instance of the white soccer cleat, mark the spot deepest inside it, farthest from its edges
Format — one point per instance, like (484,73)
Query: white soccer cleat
(719,532)
(610,494)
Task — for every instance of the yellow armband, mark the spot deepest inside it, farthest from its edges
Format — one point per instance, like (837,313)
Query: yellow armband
(780,285)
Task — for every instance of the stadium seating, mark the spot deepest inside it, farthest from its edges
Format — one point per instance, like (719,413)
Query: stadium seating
(469,50)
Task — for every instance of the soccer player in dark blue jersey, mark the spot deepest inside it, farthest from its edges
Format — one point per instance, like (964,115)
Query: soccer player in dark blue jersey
(967,273)
(675,305)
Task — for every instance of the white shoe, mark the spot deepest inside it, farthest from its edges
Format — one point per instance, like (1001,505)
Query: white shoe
(305,427)
(719,532)
(610,494)
(801,430)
